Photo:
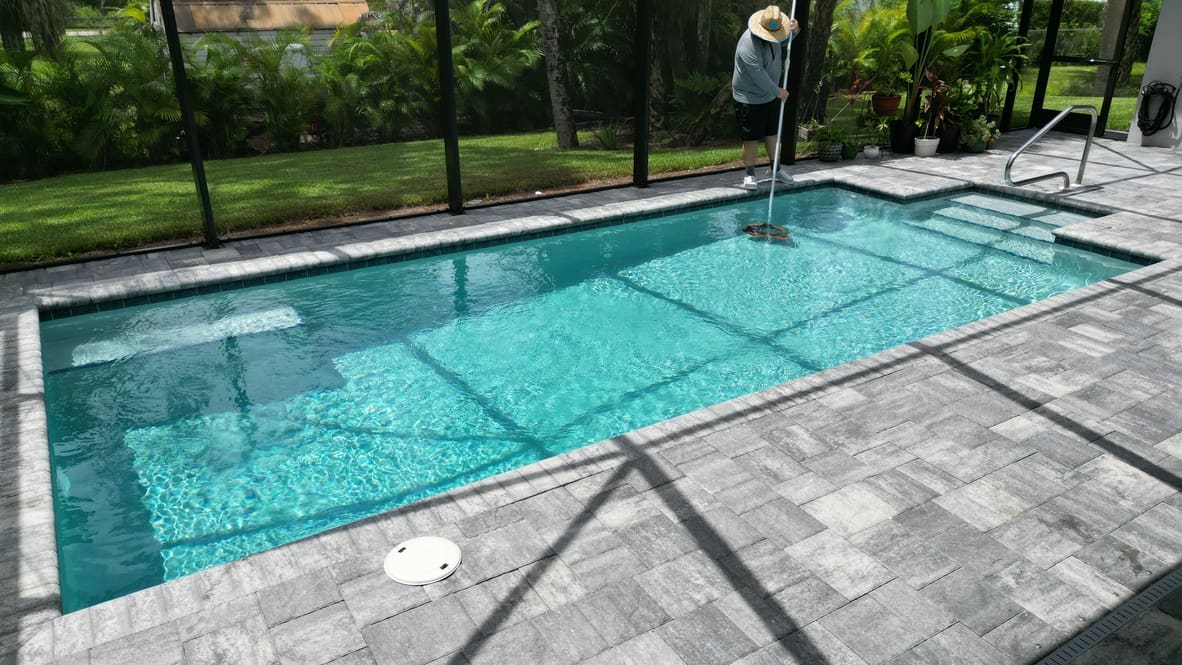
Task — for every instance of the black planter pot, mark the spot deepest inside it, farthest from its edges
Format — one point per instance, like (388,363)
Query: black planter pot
(949,138)
(902,137)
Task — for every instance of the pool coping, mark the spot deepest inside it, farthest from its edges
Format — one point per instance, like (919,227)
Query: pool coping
(46,634)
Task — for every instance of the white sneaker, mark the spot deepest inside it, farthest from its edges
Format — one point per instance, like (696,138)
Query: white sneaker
(781,175)
(749,182)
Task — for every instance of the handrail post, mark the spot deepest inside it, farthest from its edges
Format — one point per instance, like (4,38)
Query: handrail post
(1083,162)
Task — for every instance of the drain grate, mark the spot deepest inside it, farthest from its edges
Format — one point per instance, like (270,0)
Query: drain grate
(1114,620)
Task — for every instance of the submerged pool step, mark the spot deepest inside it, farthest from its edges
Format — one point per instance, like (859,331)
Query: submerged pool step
(1003,206)
(1010,242)
(1062,218)
(1029,228)
(1025,210)
(171,338)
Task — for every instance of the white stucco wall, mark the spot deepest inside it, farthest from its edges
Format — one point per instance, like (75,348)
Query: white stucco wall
(1165,64)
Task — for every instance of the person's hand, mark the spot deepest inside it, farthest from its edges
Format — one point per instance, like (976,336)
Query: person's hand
(794,27)
(783,94)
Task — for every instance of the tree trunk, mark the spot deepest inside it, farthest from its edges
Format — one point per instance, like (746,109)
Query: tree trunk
(1113,12)
(12,26)
(46,21)
(702,62)
(678,27)
(1125,68)
(564,124)
(813,94)
(657,79)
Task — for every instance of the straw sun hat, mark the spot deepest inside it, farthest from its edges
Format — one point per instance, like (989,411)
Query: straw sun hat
(769,24)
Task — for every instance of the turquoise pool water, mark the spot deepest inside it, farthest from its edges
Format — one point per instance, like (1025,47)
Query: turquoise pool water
(200,430)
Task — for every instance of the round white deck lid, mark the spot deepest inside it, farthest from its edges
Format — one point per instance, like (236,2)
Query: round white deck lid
(422,560)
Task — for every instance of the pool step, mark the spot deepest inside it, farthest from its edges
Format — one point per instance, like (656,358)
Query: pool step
(1002,206)
(1021,209)
(1003,240)
(1035,230)
(166,337)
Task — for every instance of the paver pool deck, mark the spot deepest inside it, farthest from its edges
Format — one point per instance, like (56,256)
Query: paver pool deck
(979,496)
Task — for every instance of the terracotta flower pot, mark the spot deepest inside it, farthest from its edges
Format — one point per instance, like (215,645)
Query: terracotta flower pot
(884,104)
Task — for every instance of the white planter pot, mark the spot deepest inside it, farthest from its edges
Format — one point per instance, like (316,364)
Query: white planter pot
(926,147)
(871,152)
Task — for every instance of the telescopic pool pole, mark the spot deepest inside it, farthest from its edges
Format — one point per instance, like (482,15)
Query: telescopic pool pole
(780,126)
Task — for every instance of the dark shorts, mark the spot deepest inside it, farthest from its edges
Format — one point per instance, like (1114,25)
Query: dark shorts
(758,120)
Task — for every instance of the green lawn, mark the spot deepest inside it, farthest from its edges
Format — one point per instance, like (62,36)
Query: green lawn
(77,214)
(1072,84)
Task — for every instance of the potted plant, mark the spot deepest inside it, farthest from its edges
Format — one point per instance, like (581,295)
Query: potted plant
(831,138)
(991,66)
(829,143)
(925,18)
(849,149)
(978,134)
(887,54)
(876,131)
(930,112)
(949,103)
(807,130)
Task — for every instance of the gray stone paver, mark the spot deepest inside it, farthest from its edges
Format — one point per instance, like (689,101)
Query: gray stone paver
(891,635)
(975,497)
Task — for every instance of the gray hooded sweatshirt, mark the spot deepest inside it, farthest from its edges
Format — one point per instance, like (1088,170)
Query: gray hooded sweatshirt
(758,68)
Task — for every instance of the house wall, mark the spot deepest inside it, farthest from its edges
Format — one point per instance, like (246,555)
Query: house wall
(1164,64)
(317,41)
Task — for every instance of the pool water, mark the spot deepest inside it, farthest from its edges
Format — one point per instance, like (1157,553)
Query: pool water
(197,431)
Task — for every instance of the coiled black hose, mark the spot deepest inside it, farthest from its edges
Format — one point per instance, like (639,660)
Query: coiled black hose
(1165,110)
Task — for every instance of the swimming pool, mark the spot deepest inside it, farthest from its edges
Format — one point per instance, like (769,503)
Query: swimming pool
(193,432)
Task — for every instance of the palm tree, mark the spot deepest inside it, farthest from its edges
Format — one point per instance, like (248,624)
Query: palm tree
(490,56)
(282,87)
(564,123)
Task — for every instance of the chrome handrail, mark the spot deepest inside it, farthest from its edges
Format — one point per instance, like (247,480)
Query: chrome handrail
(1083,161)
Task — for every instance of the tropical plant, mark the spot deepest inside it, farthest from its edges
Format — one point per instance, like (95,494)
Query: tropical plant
(828,134)
(145,113)
(926,19)
(979,130)
(280,81)
(935,107)
(78,107)
(597,39)
(24,139)
(489,56)
(608,135)
(696,104)
(886,49)
(372,79)
(990,67)
(222,97)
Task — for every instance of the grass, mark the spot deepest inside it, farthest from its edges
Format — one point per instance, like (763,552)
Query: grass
(78,214)
(1072,84)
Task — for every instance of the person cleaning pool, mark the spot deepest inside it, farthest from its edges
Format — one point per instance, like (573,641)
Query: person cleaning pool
(755,86)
